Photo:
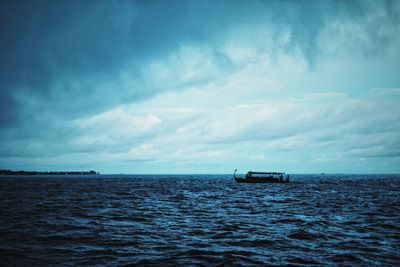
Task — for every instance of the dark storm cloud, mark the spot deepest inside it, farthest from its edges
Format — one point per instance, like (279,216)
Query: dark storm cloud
(61,52)
(64,42)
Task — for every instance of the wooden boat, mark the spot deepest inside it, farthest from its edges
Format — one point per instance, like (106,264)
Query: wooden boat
(262,177)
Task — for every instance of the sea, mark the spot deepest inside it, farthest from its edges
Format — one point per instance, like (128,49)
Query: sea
(199,220)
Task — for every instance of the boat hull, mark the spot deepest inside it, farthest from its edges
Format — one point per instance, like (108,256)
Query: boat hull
(253,180)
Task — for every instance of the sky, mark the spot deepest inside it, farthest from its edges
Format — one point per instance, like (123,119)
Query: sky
(200,86)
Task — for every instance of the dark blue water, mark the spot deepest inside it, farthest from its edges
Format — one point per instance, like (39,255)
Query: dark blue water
(200,220)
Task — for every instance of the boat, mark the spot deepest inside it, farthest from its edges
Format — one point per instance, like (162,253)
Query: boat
(262,177)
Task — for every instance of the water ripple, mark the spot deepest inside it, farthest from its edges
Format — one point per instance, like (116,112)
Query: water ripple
(200,220)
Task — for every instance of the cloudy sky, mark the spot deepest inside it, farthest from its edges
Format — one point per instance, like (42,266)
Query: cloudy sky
(200,86)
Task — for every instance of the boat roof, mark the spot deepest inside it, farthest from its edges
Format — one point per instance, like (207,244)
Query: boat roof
(266,172)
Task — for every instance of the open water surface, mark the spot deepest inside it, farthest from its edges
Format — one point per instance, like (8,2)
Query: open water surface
(199,220)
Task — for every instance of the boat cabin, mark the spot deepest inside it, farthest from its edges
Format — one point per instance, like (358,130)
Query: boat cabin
(263,177)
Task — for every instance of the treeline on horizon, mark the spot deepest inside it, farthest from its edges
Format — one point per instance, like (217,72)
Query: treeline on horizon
(9,172)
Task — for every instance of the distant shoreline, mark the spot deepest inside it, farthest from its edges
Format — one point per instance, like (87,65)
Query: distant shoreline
(9,172)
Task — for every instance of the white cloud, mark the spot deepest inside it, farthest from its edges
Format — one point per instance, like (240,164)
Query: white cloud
(268,88)
(324,127)
(119,121)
